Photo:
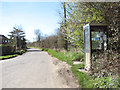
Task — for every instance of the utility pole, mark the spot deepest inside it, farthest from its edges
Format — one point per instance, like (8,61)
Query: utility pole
(66,42)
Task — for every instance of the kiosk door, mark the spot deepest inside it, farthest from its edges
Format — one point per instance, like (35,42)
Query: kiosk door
(87,47)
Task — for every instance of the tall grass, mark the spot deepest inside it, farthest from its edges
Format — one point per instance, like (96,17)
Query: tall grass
(67,56)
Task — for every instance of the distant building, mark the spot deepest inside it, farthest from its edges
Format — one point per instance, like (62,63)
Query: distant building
(3,39)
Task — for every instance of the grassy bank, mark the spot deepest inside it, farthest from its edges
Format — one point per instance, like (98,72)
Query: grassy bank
(8,56)
(68,57)
(84,79)
(13,55)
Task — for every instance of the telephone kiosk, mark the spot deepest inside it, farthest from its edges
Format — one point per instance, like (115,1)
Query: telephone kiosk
(95,40)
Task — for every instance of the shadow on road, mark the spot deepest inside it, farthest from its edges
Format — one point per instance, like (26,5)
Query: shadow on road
(33,50)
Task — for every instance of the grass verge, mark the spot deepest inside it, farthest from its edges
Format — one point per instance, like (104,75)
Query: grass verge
(14,55)
(8,56)
(84,79)
(68,57)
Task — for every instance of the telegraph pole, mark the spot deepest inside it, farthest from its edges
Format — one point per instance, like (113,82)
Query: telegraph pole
(66,42)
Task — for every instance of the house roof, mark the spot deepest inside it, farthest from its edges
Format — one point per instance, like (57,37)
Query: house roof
(3,37)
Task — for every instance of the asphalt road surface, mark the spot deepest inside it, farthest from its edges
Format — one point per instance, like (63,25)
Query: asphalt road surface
(30,70)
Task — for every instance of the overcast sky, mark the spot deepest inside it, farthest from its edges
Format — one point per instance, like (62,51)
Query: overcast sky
(31,16)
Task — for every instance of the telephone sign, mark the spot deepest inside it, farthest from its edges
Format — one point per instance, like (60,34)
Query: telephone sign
(97,38)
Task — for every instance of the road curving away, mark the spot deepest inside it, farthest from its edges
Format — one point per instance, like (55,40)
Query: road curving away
(36,69)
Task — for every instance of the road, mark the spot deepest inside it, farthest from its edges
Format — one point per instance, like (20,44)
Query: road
(33,69)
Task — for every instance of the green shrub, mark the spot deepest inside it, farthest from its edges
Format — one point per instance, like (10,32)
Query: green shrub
(42,49)
(86,81)
(118,81)
(20,52)
(45,49)
(104,82)
(6,50)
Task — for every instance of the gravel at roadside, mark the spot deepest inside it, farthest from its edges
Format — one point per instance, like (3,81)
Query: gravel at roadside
(64,74)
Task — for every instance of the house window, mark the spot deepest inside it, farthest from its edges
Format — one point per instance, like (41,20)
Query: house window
(6,41)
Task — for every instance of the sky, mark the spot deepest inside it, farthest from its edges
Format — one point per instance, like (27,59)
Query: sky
(31,16)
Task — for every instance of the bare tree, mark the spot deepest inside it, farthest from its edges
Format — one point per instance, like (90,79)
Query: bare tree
(38,36)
